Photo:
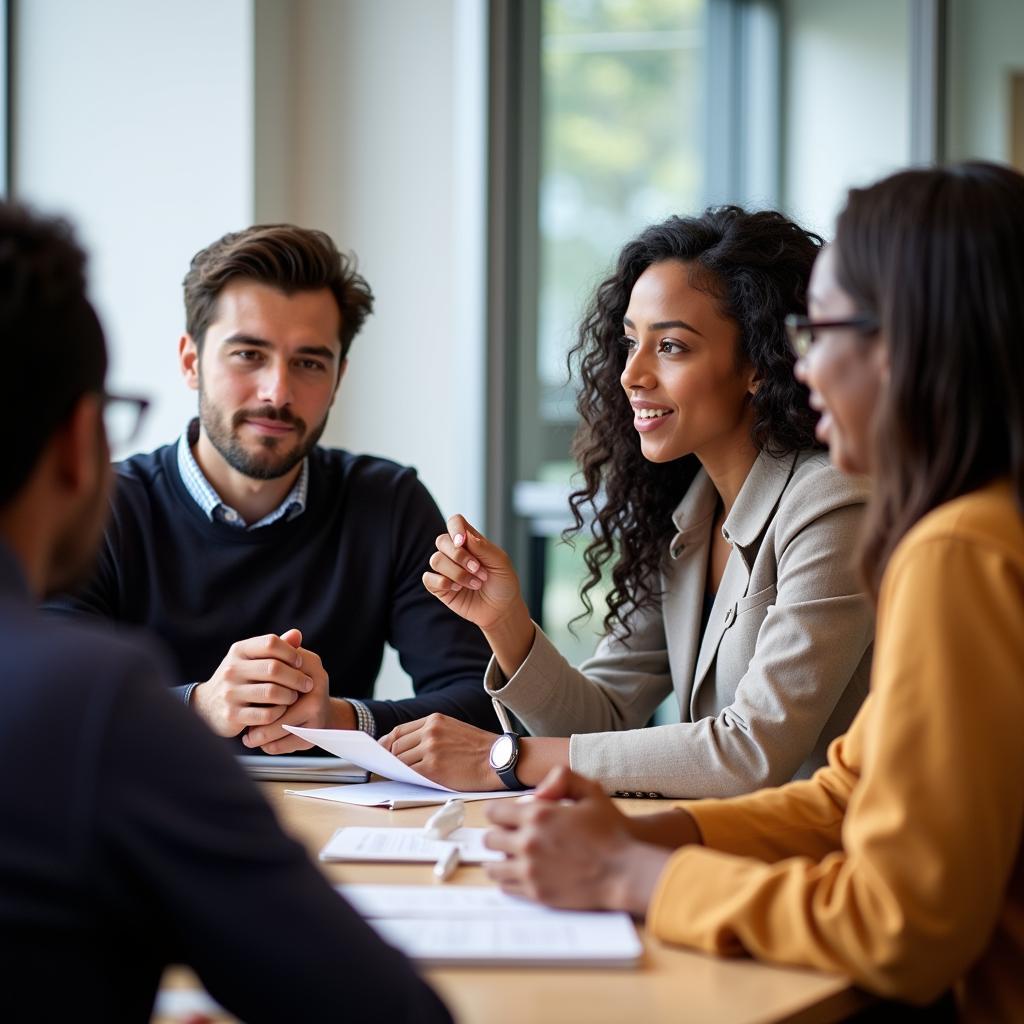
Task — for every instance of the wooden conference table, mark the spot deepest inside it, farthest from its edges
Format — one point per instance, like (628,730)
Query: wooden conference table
(669,985)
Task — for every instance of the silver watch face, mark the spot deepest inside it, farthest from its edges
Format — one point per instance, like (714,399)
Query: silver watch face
(502,752)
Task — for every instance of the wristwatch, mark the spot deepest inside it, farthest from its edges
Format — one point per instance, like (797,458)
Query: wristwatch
(504,757)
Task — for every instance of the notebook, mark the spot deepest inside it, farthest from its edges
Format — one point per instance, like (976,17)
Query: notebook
(301,769)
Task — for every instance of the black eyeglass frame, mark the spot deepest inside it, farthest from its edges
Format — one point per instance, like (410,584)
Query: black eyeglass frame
(800,329)
(141,406)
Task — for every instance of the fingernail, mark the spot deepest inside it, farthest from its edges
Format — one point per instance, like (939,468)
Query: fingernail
(475,584)
(298,661)
(458,540)
(309,684)
(455,586)
(482,574)
(472,565)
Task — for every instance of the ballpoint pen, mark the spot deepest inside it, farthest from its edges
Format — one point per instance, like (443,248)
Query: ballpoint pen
(447,863)
(441,824)
(503,719)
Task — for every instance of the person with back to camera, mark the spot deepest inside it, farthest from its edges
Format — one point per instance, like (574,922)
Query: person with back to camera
(728,532)
(900,864)
(131,839)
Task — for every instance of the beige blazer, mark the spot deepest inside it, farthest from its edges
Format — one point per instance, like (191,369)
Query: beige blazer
(779,672)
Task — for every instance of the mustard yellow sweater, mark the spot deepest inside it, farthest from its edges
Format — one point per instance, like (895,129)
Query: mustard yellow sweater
(900,863)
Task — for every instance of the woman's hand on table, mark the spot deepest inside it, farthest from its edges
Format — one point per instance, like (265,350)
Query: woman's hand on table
(445,750)
(569,846)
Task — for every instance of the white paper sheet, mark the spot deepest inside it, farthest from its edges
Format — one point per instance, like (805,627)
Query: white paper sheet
(467,926)
(406,845)
(437,900)
(394,795)
(362,749)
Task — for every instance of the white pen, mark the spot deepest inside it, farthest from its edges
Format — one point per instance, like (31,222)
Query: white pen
(503,719)
(441,824)
(447,863)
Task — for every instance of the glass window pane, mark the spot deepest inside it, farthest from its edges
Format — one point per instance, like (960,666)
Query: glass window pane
(622,106)
(620,94)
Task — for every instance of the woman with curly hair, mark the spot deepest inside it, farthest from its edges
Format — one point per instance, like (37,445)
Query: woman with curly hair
(901,863)
(727,530)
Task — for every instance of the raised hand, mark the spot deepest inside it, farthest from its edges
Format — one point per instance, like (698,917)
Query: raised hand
(476,580)
(472,576)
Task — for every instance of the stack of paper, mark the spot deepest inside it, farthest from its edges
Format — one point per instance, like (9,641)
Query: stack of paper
(301,769)
(480,926)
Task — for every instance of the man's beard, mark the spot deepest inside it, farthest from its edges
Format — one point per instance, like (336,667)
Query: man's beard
(265,463)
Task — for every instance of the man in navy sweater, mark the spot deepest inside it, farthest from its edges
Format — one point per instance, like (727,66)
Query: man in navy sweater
(131,839)
(274,569)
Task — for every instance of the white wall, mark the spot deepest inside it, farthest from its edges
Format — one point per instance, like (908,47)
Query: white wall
(135,120)
(385,138)
(845,101)
(986,43)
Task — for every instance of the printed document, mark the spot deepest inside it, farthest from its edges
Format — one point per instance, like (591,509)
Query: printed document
(481,926)
(406,845)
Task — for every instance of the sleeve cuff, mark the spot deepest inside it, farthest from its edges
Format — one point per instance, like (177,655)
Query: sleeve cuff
(365,722)
(186,692)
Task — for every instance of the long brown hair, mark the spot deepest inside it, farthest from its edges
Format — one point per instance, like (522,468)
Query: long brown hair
(757,266)
(937,256)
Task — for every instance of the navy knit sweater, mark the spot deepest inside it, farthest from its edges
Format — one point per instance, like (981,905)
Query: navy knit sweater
(346,572)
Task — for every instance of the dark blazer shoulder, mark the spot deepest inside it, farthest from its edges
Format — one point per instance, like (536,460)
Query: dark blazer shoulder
(77,662)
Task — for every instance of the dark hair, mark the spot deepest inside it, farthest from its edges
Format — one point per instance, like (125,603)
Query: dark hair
(757,266)
(936,256)
(283,256)
(55,349)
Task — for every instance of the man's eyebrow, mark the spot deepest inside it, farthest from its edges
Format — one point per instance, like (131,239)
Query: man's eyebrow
(241,338)
(665,325)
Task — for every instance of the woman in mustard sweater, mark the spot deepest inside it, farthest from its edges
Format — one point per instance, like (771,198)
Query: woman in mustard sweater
(900,863)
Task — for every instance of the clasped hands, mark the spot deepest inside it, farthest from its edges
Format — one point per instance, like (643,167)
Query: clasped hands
(569,846)
(265,683)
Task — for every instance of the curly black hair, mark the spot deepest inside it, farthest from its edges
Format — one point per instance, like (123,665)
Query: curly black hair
(757,266)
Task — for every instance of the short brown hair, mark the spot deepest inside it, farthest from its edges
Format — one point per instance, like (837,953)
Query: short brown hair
(283,256)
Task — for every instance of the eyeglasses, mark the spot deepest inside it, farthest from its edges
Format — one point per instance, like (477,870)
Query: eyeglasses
(801,330)
(122,418)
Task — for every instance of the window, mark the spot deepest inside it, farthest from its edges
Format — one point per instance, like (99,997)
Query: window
(617,113)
